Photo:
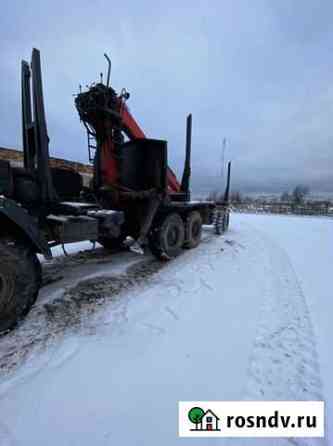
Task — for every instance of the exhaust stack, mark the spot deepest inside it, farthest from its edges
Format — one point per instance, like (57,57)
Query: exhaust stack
(109,70)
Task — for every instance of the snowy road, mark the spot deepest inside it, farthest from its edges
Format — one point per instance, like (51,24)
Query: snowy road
(246,316)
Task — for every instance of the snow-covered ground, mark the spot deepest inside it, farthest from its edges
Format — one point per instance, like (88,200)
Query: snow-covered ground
(113,344)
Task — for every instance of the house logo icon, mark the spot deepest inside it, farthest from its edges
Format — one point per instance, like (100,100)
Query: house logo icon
(203,420)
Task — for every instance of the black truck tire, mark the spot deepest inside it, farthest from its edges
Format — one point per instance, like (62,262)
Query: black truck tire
(193,230)
(219,223)
(167,239)
(20,280)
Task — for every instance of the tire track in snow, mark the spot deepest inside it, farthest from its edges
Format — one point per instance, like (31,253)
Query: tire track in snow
(284,363)
(74,311)
(79,308)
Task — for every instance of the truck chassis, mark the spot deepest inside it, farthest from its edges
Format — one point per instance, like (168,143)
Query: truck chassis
(41,207)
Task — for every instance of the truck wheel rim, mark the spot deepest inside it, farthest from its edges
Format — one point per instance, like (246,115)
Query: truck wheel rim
(173,235)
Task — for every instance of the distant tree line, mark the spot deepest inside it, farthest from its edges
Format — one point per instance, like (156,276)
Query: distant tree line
(295,196)
(235,197)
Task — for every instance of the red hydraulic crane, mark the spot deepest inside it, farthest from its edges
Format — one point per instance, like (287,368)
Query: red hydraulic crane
(107,119)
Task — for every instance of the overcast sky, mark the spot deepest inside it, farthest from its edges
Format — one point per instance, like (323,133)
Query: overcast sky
(259,73)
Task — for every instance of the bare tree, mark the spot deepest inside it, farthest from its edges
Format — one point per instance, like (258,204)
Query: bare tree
(299,193)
